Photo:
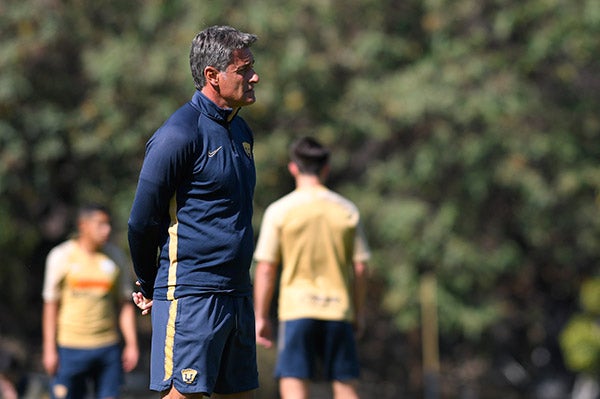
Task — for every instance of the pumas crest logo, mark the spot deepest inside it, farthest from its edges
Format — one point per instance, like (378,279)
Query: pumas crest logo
(60,391)
(248,149)
(189,375)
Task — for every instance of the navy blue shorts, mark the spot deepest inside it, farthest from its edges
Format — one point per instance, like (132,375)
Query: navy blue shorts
(317,349)
(101,366)
(204,344)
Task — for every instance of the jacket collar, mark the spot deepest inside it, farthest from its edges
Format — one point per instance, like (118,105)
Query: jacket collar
(209,108)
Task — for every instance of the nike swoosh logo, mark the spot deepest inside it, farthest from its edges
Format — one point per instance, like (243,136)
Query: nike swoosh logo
(214,152)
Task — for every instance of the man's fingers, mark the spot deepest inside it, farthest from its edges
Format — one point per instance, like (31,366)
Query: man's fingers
(264,342)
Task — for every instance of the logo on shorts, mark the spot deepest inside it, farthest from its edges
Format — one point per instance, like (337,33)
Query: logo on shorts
(60,391)
(189,375)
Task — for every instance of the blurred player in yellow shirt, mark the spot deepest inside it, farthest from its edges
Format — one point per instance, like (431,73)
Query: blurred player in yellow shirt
(316,236)
(87,299)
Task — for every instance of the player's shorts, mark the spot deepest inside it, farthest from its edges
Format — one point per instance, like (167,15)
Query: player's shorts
(79,366)
(317,349)
(204,344)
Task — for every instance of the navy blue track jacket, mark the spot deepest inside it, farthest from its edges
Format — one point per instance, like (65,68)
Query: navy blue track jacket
(193,205)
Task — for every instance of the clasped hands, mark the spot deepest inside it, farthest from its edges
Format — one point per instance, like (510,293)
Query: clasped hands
(141,302)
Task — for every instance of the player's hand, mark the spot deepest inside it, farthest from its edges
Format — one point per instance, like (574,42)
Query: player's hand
(130,357)
(264,334)
(50,361)
(360,325)
(141,302)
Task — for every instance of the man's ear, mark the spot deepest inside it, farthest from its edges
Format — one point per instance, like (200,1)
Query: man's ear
(293,169)
(211,74)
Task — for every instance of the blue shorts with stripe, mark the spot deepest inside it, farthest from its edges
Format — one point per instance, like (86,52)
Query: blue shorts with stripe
(77,367)
(317,349)
(204,344)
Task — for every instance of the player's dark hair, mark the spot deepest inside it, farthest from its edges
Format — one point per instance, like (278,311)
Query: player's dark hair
(310,155)
(87,209)
(214,47)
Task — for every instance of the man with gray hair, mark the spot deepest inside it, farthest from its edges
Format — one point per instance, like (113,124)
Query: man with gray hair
(199,288)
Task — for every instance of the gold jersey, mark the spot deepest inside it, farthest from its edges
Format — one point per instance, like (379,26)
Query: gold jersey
(315,234)
(89,288)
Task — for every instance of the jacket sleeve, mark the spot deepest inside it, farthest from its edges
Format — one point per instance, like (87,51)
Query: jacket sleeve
(167,156)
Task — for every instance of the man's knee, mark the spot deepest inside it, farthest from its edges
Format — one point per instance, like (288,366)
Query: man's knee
(240,395)
(173,393)
(345,389)
(293,388)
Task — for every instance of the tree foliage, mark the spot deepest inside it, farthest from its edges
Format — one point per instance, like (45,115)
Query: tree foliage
(466,131)
(580,339)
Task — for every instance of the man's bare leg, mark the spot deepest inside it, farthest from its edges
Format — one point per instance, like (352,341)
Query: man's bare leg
(345,389)
(239,395)
(293,388)
(173,393)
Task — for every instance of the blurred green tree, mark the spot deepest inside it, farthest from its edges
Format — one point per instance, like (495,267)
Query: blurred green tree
(580,339)
(466,131)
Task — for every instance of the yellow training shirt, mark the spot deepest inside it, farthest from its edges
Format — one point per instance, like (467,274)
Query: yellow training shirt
(89,288)
(316,235)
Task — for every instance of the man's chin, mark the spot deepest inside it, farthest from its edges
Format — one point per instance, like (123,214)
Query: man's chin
(247,100)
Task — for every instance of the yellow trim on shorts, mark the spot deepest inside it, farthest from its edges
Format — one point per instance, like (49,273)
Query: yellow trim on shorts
(170,340)
(172,279)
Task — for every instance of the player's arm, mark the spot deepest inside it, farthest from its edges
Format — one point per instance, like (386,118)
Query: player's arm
(361,257)
(127,324)
(264,286)
(267,255)
(53,276)
(49,323)
(360,294)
